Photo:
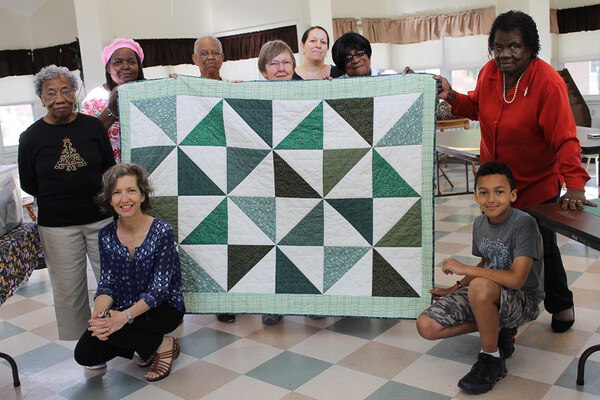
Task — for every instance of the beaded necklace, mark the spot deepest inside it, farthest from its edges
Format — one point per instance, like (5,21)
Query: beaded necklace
(516,86)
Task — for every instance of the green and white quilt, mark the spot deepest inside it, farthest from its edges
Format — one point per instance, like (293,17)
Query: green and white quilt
(296,197)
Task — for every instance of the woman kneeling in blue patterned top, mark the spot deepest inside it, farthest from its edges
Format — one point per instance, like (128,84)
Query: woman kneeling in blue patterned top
(139,297)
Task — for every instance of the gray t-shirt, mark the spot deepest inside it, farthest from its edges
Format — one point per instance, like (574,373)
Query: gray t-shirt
(516,236)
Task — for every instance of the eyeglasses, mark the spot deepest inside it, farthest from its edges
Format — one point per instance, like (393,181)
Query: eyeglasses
(275,64)
(213,53)
(66,94)
(357,53)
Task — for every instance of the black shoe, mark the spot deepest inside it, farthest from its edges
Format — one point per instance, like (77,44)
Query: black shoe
(484,373)
(506,341)
(227,318)
(560,326)
(271,319)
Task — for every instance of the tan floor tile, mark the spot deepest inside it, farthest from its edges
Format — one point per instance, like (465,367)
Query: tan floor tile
(449,248)
(574,263)
(561,393)
(538,365)
(467,228)
(243,355)
(296,396)
(247,388)
(28,390)
(445,226)
(34,319)
(434,374)
(284,335)
(70,374)
(511,387)
(404,335)
(151,392)
(594,267)
(586,298)
(457,237)
(320,323)
(341,383)
(243,325)
(196,380)
(12,309)
(380,359)
(46,298)
(448,209)
(540,336)
(586,319)
(587,280)
(48,331)
(22,343)
(593,341)
(328,346)
(443,280)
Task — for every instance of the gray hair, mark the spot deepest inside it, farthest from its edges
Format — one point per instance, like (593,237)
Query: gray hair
(53,72)
(201,38)
(272,49)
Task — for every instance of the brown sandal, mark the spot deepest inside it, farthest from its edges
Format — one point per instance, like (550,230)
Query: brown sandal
(143,363)
(160,367)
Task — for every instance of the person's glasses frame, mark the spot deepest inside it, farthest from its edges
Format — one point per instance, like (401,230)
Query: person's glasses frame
(357,53)
(213,53)
(65,93)
(286,64)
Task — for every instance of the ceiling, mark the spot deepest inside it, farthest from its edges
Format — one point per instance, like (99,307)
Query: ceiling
(23,7)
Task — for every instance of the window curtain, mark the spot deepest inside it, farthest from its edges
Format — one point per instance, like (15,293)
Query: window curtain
(553,21)
(28,62)
(579,19)
(343,25)
(167,51)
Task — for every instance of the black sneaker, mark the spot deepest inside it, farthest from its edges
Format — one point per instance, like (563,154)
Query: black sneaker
(484,373)
(227,318)
(506,341)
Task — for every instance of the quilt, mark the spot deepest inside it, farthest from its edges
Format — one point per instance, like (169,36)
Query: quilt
(295,197)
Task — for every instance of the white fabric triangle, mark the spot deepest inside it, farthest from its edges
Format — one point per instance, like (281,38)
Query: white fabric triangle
(190,111)
(358,281)
(339,134)
(357,183)
(387,110)
(212,160)
(164,177)
(407,261)
(260,182)
(309,260)
(260,279)
(387,212)
(212,258)
(287,114)
(241,229)
(143,132)
(238,133)
(308,164)
(406,160)
(192,210)
(290,211)
(338,231)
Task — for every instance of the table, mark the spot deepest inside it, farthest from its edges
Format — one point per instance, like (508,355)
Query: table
(581,226)
(590,148)
(461,144)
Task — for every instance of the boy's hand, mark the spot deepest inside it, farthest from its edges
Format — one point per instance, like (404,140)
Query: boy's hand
(451,266)
(438,292)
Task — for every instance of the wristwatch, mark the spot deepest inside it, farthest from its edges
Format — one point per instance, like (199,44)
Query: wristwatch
(129,317)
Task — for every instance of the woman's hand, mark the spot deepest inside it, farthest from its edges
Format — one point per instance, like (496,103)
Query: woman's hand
(445,91)
(112,102)
(103,327)
(574,200)
(407,70)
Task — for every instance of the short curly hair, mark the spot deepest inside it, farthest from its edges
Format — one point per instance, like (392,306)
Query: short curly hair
(109,181)
(349,41)
(53,72)
(512,20)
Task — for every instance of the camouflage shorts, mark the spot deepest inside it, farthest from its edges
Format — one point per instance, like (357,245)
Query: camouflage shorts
(516,308)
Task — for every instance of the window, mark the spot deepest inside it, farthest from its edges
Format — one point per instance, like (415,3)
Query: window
(586,75)
(13,121)
(463,80)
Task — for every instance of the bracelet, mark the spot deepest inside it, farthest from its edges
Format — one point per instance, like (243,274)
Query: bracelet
(110,113)
(459,284)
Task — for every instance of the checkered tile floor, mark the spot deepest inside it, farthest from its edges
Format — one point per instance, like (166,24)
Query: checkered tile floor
(330,358)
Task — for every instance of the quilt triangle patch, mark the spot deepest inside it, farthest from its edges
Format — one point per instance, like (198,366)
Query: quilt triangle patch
(240,163)
(340,232)
(337,163)
(166,207)
(408,129)
(150,157)
(407,231)
(338,134)
(241,259)
(309,231)
(258,114)
(259,182)
(144,132)
(289,279)
(338,261)
(357,183)
(359,212)
(191,180)
(288,183)
(386,180)
(213,229)
(163,112)
(358,112)
(387,282)
(403,260)
(194,278)
(308,134)
(307,163)
(210,131)
(162,176)
(357,281)
(309,261)
(261,210)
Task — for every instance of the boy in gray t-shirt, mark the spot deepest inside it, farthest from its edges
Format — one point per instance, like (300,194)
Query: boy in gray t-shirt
(500,293)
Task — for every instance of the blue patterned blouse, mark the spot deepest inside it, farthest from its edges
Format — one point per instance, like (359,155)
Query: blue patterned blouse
(153,275)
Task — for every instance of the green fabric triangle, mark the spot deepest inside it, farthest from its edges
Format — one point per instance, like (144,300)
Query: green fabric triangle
(241,259)
(258,114)
(288,183)
(194,279)
(359,212)
(240,163)
(150,157)
(309,231)
(337,163)
(406,232)
(308,134)
(212,229)
(163,112)
(408,129)
(191,180)
(387,282)
(167,208)
(387,182)
(289,279)
(261,210)
(338,261)
(358,112)
(210,131)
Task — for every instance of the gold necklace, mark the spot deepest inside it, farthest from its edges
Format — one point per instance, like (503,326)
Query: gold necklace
(516,86)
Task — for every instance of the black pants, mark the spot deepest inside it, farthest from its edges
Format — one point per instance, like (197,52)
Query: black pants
(143,336)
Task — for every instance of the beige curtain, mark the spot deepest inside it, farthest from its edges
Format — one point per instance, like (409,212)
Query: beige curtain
(431,27)
(553,21)
(343,25)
